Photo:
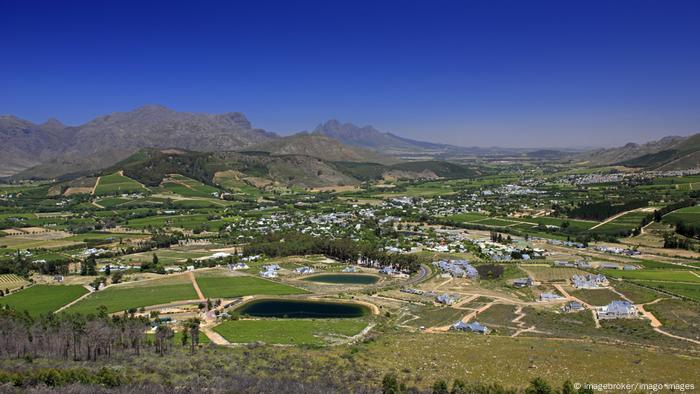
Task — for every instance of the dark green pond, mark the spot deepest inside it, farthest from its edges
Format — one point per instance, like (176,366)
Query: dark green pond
(302,309)
(354,279)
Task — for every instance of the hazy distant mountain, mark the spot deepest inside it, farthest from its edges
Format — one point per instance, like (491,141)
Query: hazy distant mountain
(24,144)
(323,147)
(370,138)
(668,153)
(108,139)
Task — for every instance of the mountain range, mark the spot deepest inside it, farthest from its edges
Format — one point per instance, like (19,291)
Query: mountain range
(52,149)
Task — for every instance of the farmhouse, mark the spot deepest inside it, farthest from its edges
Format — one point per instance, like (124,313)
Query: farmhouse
(617,310)
(589,281)
(238,266)
(304,270)
(446,299)
(573,306)
(470,327)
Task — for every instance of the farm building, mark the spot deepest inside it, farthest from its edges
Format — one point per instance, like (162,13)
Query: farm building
(617,310)
(470,327)
(589,281)
(458,268)
(523,282)
(573,306)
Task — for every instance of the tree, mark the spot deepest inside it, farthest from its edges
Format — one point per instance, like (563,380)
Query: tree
(117,277)
(390,384)
(89,266)
(440,387)
(458,387)
(539,386)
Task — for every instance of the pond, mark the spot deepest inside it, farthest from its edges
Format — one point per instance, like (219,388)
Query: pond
(302,309)
(354,279)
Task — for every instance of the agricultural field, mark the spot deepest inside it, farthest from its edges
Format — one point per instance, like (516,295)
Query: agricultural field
(139,294)
(551,274)
(626,222)
(215,285)
(691,291)
(11,282)
(187,187)
(117,184)
(40,299)
(290,331)
(689,215)
(655,275)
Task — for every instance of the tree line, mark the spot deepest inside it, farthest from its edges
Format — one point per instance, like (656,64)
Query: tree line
(344,250)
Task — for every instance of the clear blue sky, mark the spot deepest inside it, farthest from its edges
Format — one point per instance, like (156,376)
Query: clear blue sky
(508,73)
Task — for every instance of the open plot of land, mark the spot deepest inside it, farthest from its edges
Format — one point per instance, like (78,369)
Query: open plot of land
(41,299)
(135,295)
(597,297)
(32,242)
(117,184)
(471,357)
(289,331)
(165,256)
(219,286)
(638,294)
(678,317)
(430,316)
(551,274)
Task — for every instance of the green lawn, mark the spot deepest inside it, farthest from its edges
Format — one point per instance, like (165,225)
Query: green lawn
(238,286)
(289,331)
(145,293)
(42,299)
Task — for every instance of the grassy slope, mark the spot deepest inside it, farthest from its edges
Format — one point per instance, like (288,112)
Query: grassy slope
(288,331)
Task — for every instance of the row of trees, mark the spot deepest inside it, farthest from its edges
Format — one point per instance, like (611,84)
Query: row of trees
(344,250)
(71,336)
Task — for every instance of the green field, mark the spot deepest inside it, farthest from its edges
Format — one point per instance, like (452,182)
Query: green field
(117,184)
(689,215)
(655,275)
(627,221)
(289,331)
(220,286)
(187,187)
(683,289)
(145,293)
(41,299)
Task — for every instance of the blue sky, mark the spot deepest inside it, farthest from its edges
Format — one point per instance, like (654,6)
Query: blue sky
(507,73)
